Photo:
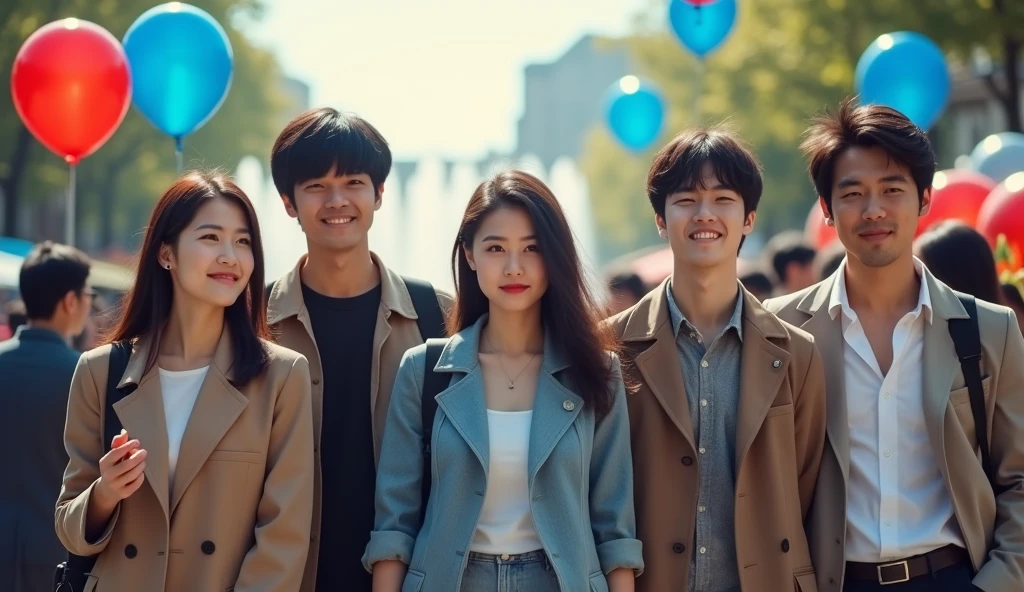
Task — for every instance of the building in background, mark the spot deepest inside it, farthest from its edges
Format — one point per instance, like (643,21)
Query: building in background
(972,115)
(563,98)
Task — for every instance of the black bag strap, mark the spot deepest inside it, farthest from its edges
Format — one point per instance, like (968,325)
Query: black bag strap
(966,335)
(430,319)
(433,384)
(120,353)
(72,576)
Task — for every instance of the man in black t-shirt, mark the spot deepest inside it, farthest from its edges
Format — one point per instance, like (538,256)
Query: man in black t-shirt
(351,317)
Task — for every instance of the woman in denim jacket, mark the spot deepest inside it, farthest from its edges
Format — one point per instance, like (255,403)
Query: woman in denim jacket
(531,474)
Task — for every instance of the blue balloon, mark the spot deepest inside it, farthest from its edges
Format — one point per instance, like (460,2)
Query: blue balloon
(999,156)
(182,66)
(905,71)
(634,112)
(15,246)
(704,27)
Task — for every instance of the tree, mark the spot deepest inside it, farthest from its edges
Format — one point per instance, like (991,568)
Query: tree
(138,162)
(785,61)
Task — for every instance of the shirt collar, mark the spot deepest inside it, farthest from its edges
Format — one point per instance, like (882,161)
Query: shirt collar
(26,332)
(840,301)
(679,319)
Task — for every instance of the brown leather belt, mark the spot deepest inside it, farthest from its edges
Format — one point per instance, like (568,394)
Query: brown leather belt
(896,572)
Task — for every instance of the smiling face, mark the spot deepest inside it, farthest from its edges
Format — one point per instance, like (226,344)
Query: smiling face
(212,260)
(508,263)
(335,211)
(875,206)
(705,225)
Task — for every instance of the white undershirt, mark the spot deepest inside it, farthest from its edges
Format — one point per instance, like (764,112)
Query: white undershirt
(179,389)
(897,503)
(506,522)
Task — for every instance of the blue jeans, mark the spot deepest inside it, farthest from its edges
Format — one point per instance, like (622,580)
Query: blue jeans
(528,572)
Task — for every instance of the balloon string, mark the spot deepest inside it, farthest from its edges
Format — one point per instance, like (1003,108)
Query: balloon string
(69,215)
(697,87)
(179,153)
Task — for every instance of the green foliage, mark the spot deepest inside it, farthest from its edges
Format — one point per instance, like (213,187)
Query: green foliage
(119,183)
(785,61)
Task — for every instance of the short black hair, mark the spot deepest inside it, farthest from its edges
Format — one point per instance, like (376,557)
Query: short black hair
(786,248)
(322,139)
(679,166)
(16,316)
(49,272)
(960,257)
(1011,296)
(628,281)
(866,126)
(757,281)
(829,260)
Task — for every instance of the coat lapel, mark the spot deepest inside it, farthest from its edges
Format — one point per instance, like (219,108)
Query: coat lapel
(142,415)
(828,336)
(762,368)
(658,363)
(555,408)
(940,362)
(463,402)
(217,407)
(464,406)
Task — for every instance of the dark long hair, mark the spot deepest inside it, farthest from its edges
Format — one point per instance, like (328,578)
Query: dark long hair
(960,257)
(568,312)
(147,306)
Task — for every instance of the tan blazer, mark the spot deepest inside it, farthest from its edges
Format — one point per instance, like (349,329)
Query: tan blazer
(780,435)
(993,530)
(235,517)
(395,332)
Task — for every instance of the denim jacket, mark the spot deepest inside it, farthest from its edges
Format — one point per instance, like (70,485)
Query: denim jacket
(580,475)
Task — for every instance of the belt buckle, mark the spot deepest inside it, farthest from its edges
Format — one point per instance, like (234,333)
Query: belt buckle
(906,573)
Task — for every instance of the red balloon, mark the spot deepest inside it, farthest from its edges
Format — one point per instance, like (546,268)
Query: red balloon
(71,86)
(956,195)
(700,2)
(819,234)
(1003,213)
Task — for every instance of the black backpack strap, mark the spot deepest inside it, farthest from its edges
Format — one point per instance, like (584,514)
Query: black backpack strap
(424,299)
(120,353)
(966,336)
(433,384)
(71,576)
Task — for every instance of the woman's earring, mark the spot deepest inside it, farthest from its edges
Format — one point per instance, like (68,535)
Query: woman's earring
(168,267)
(828,222)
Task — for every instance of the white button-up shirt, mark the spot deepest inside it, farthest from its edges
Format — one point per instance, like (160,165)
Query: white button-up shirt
(897,503)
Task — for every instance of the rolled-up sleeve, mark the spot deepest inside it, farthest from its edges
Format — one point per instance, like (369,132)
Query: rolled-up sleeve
(400,471)
(84,445)
(611,487)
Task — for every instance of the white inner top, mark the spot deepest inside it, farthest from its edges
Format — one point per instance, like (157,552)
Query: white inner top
(506,523)
(897,503)
(179,389)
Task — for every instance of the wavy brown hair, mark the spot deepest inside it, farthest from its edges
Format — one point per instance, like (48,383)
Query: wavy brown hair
(568,312)
(147,305)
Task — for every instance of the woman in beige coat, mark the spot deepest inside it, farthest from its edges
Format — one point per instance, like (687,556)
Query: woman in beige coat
(209,485)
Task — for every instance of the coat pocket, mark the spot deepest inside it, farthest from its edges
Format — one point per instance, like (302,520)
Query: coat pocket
(598,583)
(803,581)
(413,581)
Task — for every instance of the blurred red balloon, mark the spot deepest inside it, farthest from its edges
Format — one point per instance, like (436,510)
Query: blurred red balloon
(700,2)
(1003,213)
(819,234)
(71,85)
(956,195)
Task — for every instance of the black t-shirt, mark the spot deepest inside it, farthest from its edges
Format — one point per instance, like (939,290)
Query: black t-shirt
(343,329)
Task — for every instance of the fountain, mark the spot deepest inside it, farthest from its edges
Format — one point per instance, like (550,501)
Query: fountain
(415,228)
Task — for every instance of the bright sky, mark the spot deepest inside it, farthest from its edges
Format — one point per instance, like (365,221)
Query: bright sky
(435,76)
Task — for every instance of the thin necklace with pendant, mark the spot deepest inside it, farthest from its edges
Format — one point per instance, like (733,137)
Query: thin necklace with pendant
(511,381)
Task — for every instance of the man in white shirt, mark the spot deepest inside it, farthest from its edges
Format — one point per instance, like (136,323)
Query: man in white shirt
(903,503)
